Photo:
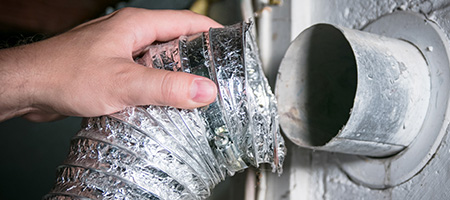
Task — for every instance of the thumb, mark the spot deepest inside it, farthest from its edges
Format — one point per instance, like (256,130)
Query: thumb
(160,87)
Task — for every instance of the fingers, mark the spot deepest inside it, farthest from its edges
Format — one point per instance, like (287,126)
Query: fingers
(159,87)
(179,23)
(163,25)
(123,83)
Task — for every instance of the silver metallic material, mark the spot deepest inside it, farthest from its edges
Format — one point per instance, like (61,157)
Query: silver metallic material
(402,167)
(154,152)
(420,171)
(352,92)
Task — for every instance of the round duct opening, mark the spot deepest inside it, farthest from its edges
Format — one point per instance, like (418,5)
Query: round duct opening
(328,79)
(405,41)
(352,92)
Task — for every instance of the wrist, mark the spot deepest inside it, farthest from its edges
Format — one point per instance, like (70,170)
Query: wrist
(15,82)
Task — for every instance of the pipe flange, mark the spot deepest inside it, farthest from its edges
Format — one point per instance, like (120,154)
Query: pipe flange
(390,171)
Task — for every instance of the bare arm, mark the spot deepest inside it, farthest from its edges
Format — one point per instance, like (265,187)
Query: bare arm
(89,70)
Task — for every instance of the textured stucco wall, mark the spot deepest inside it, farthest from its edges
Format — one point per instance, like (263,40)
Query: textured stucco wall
(316,175)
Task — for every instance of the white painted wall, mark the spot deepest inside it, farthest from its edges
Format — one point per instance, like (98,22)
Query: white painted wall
(316,175)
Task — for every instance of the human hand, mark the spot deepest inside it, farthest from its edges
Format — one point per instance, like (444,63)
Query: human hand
(89,70)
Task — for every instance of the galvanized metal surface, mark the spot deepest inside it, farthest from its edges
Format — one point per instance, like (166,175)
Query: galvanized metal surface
(318,175)
(352,92)
(432,43)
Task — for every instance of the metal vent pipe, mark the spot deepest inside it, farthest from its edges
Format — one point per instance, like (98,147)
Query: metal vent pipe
(352,92)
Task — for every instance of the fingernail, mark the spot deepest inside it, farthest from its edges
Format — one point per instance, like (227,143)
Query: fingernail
(203,90)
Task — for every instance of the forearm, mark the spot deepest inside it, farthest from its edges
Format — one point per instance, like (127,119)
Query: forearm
(15,89)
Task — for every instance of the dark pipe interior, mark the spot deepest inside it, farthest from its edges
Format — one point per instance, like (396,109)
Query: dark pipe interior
(331,81)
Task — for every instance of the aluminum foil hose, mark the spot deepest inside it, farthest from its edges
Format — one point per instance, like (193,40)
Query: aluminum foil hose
(154,152)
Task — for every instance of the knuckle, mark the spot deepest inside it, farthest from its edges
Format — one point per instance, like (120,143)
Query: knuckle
(124,15)
(170,88)
(126,11)
(167,88)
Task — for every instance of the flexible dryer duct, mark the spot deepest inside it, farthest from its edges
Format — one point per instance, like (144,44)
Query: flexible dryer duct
(154,152)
